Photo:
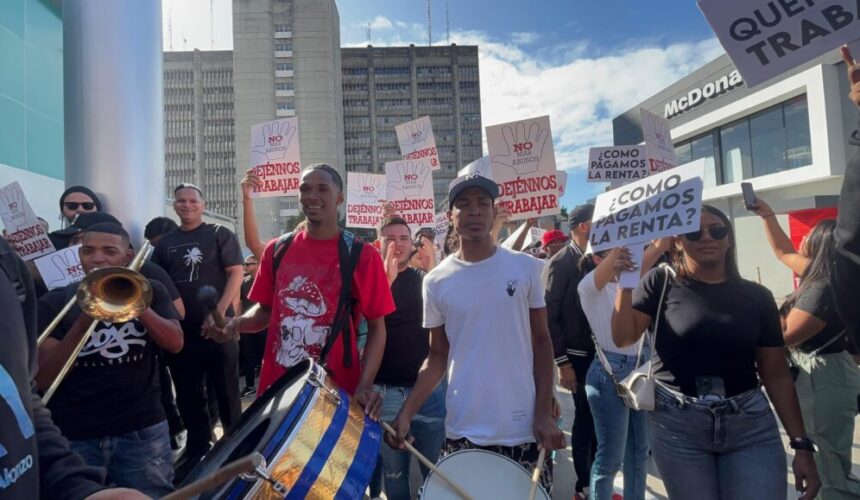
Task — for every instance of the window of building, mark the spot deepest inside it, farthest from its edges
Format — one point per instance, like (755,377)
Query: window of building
(282,28)
(284,86)
(285,105)
(770,141)
(284,66)
(284,47)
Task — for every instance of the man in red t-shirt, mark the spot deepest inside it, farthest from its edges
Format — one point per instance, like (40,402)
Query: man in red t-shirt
(299,303)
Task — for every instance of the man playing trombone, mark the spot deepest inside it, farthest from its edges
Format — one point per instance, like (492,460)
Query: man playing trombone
(109,405)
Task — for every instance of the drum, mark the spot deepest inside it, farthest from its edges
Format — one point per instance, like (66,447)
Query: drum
(316,442)
(482,475)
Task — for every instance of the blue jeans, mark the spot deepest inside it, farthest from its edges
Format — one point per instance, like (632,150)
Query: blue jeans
(712,450)
(428,429)
(140,459)
(622,434)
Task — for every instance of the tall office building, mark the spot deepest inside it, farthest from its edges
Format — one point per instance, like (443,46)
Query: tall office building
(386,86)
(199,146)
(286,62)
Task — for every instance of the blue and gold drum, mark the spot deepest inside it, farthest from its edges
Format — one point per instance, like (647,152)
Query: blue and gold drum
(317,442)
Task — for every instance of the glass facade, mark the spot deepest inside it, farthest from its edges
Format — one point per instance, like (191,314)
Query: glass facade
(31,87)
(770,141)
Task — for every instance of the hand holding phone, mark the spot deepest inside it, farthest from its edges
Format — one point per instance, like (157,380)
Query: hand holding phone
(749,195)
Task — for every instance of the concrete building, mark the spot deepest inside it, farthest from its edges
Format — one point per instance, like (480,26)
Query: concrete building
(199,145)
(286,62)
(386,86)
(788,137)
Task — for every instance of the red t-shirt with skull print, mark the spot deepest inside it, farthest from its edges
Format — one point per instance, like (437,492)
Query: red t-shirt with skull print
(303,304)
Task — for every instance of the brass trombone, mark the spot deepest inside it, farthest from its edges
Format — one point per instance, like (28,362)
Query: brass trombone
(113,294)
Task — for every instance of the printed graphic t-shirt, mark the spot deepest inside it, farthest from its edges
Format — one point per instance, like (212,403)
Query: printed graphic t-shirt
(484,307)
(303,299)
(113,387)
(194,259)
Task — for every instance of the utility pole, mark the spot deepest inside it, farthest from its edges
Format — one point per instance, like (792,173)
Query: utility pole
(369,39)
(447,25)
(429,26)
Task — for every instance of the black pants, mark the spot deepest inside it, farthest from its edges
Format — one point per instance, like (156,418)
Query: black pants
(168,401)
(197,361)
(583,441)
(251,349)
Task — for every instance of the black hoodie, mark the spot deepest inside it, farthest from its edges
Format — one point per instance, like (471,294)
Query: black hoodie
(846,279)
(35,460)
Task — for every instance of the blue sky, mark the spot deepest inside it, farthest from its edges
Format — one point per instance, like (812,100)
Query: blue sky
(580,61)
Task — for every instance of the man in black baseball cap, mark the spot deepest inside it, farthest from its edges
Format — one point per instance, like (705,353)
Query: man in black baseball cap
(73,234)
(465,182)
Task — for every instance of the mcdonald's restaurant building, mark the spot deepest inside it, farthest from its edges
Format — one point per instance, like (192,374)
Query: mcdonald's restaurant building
(787,136)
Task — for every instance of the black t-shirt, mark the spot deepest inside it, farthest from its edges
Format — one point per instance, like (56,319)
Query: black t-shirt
(194,259)
(406,342)
(709,330)
(152,271)
(247,304)
(113,387)
(817,300)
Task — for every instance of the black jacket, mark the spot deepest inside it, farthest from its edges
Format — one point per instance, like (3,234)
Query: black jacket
(568,327)
(37,459)
(846,279)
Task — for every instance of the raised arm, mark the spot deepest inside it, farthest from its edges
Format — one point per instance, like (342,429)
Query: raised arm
(780,243)
(249,219)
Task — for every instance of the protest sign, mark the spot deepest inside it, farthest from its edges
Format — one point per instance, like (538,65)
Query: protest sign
(416,141)
(765,38)
(276,157)
(664,204)
(561,180)
(61,267)
(364,194)
(535,236)
(410,191)
(630,279)
(619,164)
(481,166)
(523,165)
(659,149)
(24,231)
(440,232)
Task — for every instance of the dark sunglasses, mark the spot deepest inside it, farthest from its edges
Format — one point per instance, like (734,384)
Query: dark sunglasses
(716,232)
(73,205)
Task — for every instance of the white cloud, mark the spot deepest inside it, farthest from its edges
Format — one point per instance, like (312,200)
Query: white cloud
(581,90)
(381,23)
(524,38)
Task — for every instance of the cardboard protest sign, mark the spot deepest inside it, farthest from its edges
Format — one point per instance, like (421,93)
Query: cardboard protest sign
(665,204)
(561,180)
(416,141)
(481,166)
(25,233)
(409,188)
(535,236)
(276,157)
(619,164)
(659,149)
(440,232)
(765,38)
(523,165)
(61,267)
(364,193)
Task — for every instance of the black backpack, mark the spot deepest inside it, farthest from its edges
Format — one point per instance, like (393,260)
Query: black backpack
(349,251)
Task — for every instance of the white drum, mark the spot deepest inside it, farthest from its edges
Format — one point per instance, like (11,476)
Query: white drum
(483,475)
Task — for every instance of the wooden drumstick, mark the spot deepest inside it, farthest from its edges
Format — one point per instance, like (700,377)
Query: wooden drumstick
(427,463)
(536,474)
(244,465)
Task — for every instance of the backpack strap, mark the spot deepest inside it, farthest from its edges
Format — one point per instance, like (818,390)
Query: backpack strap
(280,249)
(349,252)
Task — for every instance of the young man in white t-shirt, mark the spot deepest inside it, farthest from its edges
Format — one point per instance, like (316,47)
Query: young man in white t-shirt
(484,306)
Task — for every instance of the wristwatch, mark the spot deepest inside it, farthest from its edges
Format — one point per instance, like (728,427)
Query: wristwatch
(802,443)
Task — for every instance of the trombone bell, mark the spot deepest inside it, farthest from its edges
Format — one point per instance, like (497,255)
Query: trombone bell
(114,294)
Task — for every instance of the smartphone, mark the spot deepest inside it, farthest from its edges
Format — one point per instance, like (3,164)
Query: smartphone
(749,195)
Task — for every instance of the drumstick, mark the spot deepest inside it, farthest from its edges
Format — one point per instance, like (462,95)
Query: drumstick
(244,465)
(536,474)
(427,463)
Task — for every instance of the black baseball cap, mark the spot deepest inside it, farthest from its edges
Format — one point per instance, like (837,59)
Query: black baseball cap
(471,180)
(580,214)
(83,221)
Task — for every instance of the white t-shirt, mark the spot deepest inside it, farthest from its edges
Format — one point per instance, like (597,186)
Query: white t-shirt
(484,307)
(597,306)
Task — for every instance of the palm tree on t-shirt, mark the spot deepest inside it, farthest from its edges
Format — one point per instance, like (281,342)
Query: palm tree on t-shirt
(193,257)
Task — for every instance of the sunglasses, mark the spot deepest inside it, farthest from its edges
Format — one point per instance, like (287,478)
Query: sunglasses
(716,232)
(73,205)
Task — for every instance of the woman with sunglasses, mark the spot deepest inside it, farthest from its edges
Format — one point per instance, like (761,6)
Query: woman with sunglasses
(622,435)
(74,201)
(713,434)
(828,379)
